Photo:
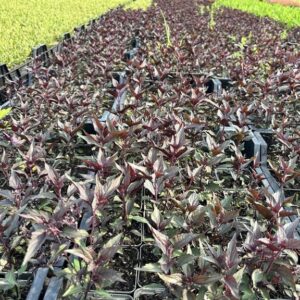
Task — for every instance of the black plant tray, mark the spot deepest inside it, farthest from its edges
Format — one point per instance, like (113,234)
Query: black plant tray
(217,84)
(93,296)
(153,292)
(147,256)
(269,181)
(131,262)
(256,147)
(21,276)
(119,101)
(45,285)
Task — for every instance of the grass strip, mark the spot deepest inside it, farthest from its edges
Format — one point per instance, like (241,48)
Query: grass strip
(25,24)
(290,16)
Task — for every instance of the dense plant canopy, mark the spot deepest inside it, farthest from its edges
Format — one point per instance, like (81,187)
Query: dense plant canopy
(169,168)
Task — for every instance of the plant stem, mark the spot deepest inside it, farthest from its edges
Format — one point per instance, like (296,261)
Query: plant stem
(88,287)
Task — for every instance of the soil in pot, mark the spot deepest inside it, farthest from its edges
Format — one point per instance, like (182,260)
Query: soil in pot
(149,254)
(126,264)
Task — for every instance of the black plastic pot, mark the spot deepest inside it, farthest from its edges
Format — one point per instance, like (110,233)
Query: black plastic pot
(267,135)
(147,256)
(45,285)
(135,262)
(41,52)
(226,83)
(268,180)
(24,76)
(80,29)
(54,288)
(3,97)
(37,284)
(93,296)
(214,86)
(20,277)
(152,292)
(136,42)
(23,280)
(66,36)
(256,147)
(4,73)
(217,84)
(293,192)
(274,188)
(130,54)
(118,104)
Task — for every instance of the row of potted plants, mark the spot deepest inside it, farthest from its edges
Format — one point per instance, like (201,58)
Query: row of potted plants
(175,169)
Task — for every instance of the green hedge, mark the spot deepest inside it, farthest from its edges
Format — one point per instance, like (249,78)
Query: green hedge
(25,24)
(284,14)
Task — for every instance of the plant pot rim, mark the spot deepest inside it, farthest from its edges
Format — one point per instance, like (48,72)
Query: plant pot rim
(148,291)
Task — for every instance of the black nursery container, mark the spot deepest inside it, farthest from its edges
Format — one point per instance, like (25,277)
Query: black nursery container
(41,52)
(217,84)
(4,75)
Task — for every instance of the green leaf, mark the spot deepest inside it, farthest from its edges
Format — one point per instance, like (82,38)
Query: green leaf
(129,205)
(21,270)
(151,267)
(156,216)
(175,278)
(181,240)
(265,293)
(103,294)
(76,264)
(154,286)
(292,254)
(11,278)
(286,275)
(247,292)
(4,112)
(162,241)
(149,186)
(185,259)
(112,185)
(115,241)
(37,240)
(139,219)
(3,263)
(213,186)
(150,289)
(231,253)
(177,221)
(239,275)
(73,289)
(75,233)
(82,253)
(4,285)
(206,279)
(257,276)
